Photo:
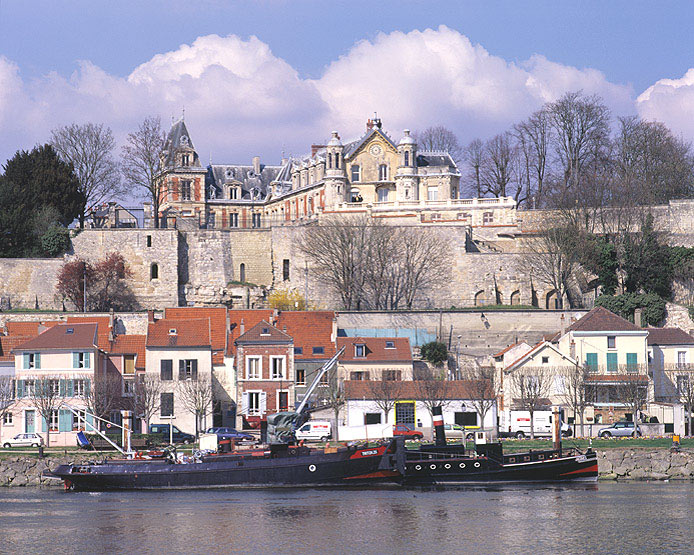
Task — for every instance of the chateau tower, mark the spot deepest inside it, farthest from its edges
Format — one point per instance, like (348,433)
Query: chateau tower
(335,174)
(406,185)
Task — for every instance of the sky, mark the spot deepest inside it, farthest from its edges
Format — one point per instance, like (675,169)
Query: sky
(271,77)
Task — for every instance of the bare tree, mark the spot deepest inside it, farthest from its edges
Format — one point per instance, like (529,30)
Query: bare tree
(530,389)
(533,137)
(498,165)
(385,394)
(682,378)
(196,396)
(45,395)
(104,395)
(483,388)
(7,397)
(332,394)
(577,394)
(147,399)
(632,390)
(141,161)
(474,157)
(439,138)
(432,389)
(89,148)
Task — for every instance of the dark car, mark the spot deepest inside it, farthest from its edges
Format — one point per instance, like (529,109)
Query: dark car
(407,430)
(163,432)
(230,433)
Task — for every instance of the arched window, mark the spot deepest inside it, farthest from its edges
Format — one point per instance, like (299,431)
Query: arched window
(407,158)
(479,298)
(330,160)
(337,160)
(356,172)
(154,271)
(242,273)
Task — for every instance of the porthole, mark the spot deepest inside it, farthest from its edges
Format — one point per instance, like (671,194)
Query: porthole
(512,460)
(432,466)
(312,468)
(477,465)
(446,466)
(462,465)
(418,467)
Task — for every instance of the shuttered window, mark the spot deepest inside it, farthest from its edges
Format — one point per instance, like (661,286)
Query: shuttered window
(166,370)
(167,404)
(612,363)
(592,361)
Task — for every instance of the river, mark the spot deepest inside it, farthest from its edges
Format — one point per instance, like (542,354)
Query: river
(607,517)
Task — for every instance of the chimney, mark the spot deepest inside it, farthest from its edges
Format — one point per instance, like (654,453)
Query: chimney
(637,317)
(369,124)
(437,417)
(256,165)
(275,316)
(562,325)
(316,148)
(572,349)
(150,316)
(242,328)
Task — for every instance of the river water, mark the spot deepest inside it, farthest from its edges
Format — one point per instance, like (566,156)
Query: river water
(597,518)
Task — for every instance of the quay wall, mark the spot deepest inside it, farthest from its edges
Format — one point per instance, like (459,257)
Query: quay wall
(27,470)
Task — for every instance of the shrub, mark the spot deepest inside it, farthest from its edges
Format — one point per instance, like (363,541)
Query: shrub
(434,352)
(55,241)
(624,305)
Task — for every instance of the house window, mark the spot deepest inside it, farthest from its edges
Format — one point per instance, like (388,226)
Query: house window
(391,375)
(382,172)
(282,400)
(285,269)
(337,160)
(298,350)
(611,342)
(300,376)
(465,418)
(632,362)
(81,360)
(330,160)
(129,365)
(78,420)
(154,271)
(234,220)
(256,220)
(383,195)
(185,159)
(7,419)
(407,158)
(372,418)
(252,368)
(254,403)
(79,387)
(188,369)
(54,421)
(433,193)
(325,378)
(211,220)
(32,360)
(356,172)
(277,367)
(359,351)
(612,363)
(487,218)
(185,190)
(683,384)
(166,370)
(233,193)
(149,240)
(29,387)
(167,404)
(681,357)
(54,387)
(390,344)
(128,388)
(592,362)
(359,376)
(545,360)
(319,350)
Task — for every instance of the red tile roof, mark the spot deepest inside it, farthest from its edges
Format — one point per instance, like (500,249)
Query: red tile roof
(669,336)
(376,350)
(30,329)
(188,333)
(130,345)
(264,333)
(218,321)
(82,336)
(504,351)
(9,342)
(248,318)
(368,390)
(104,323)
(309,329)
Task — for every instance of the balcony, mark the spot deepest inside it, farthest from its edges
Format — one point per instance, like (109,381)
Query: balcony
(467,203)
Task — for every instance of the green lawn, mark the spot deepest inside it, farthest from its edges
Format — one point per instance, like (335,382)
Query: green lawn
(519,445)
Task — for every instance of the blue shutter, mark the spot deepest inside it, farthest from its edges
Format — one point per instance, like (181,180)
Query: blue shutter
(20,389)
(61,388)
(592,361)
(70,388)
(75,360)
(25,365)
(87,360)
(37,360)
(64,421)
(612,363)
(44,425)
(89,419)
(87,391)
(632,362)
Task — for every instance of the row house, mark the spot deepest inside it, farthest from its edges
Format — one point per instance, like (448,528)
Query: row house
(375,358)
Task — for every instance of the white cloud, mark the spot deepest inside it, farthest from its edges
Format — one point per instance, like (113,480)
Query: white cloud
(240,99)
(670,101)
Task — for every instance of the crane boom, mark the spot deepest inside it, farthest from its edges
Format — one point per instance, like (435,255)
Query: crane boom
(323,369)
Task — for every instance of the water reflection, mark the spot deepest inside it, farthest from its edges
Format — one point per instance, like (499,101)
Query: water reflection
(604,518)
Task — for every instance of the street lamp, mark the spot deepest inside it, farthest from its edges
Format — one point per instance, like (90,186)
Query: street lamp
(457,358)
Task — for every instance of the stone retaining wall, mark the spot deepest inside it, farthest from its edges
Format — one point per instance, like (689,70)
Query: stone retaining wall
(646,464)
(27,470)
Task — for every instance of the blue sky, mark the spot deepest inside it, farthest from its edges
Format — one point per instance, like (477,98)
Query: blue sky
(314,66)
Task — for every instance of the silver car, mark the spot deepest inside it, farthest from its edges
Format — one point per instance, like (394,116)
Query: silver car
(23,440)
(619,429)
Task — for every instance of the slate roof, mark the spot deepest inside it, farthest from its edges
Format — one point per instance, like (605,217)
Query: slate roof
(425,159)
(63,336)
(352,147)
(309,329)
(189,333)
(251,183)
(376,350)
(130,345)
(365,389)
(264,333)
(173,143)
(601,319)
(669,336)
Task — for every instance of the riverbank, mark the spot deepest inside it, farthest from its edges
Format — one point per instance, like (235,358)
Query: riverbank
(27,470)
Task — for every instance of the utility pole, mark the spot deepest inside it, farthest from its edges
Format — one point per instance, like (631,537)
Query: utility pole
(306,285)
(84,288)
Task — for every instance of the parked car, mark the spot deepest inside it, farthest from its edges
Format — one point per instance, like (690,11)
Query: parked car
(407,430)
(23,440)
(456,431)
(230,433)
(163,432)
(619,429)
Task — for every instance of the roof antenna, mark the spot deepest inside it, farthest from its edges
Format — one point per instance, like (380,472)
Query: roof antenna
(183,112)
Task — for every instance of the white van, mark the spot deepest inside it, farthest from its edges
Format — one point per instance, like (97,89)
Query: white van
(516,423)
(321,431)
